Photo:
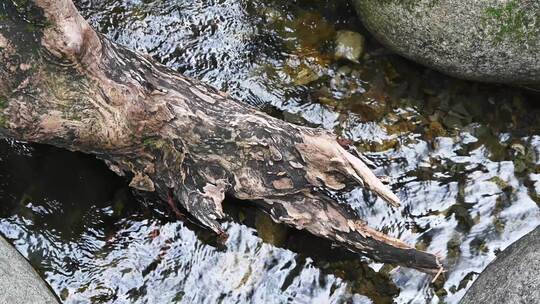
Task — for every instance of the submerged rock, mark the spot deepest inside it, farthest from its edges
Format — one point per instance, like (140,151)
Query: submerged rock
(349,45)
(489,40)
(19,282)
(270,231)
(514,277)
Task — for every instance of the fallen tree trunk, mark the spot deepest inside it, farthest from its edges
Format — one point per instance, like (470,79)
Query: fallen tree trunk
(63,84)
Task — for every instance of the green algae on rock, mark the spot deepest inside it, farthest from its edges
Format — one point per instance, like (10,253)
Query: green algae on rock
(489,41)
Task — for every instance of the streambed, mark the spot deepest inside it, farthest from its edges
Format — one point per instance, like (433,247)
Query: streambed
(462,156)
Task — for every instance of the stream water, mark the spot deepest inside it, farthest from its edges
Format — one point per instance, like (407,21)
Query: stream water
(462,156)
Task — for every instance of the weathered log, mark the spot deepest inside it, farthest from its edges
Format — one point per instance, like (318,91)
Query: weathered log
(63,84)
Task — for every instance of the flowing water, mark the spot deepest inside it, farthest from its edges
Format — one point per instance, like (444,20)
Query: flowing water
(463,157)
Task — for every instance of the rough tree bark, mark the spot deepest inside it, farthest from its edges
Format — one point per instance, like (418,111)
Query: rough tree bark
(63,84)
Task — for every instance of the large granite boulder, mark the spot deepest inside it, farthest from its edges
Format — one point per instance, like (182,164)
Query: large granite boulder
(514,276)
(19,282)
(481,40)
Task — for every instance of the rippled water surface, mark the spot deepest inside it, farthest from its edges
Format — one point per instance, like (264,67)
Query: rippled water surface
(463,157)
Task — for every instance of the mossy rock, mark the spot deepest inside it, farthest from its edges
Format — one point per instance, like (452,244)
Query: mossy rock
(485,40)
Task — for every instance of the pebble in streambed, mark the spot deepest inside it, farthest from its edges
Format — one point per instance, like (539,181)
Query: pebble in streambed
(349,45)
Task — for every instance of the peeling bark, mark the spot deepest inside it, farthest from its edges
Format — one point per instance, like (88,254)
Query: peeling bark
(63,84)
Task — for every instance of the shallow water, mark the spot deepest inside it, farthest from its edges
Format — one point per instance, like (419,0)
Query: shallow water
(463,157)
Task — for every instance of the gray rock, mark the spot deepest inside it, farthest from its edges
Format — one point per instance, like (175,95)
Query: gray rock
(349,45)
(481,40)
(514,276)
(19,282)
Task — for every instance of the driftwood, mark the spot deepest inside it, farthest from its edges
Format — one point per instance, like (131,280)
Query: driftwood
(63,84)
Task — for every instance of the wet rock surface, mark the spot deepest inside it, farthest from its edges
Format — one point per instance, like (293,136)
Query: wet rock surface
(19,282)
(491,41)
(514,276)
